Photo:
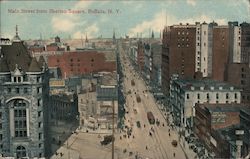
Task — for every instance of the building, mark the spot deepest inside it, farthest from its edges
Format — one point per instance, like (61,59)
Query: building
(245,42)
(83,62)
(185,94)
(245,123)
(220,56)
(97,101)
(155,76)
(203,59)
(211,119)
(238,74)
(63,106)
(24,100)
(238,71)
(178,53)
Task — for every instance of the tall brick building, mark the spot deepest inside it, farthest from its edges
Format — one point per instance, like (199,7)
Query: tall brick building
(82,62)
(220,55)
(238,71)
(178,53)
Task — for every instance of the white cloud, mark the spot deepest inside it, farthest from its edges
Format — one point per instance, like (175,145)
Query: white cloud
(62,24)
(191,2)
(159,21)
(67,22)
(90,31)
(204,18)
(156,24)
(82,4)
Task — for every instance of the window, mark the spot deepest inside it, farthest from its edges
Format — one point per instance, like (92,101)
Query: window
(207,95)
(71,60)
(25,90)
(92,60)
(38,102)
(20,122)
(187,96)
(58,60)
(9,90)
(39,113)
(40,145)
(217,96)
(1,137)
(204,32)
(39,125)
(227,96)
(235,96)
(242,82)
(40,136)
(39,90)
(198,44)
(242,69)
(38,79)
(239,43)
(17,90)
(204,44)
(198,96)
(20,152)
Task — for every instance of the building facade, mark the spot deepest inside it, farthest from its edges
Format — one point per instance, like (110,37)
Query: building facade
(178,53)
(184,94)
(81,62)
(24,101)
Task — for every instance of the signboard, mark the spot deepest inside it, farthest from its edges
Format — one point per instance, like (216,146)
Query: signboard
(218,117)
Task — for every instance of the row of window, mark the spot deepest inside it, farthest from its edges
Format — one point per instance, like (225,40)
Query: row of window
(217,96)
(19,79)
(23,90)
(78,60)
(182,45)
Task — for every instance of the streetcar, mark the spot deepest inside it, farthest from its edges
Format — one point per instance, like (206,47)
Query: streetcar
(151,117)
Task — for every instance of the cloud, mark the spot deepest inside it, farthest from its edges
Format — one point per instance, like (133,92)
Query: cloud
(90,31)
(67,22)
(159,21)
(203,18)
(61,24)
(191,2)
(83,4)
(156,24)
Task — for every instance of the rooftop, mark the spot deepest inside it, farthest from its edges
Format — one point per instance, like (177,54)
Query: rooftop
(227,107)
(206,84)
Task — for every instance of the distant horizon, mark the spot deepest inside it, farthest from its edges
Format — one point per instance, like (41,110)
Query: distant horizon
(102,18)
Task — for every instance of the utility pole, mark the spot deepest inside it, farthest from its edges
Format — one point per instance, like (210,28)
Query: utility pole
(113,129)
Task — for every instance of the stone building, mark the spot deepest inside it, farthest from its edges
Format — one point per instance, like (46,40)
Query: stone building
(23,102)
(184,94)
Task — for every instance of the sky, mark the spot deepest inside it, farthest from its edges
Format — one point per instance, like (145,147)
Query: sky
(135,17)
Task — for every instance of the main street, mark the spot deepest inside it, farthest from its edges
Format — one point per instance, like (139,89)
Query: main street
(159,145)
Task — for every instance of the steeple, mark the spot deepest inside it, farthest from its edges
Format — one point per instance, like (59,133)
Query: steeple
(114,36)
(16,37)
(86,39)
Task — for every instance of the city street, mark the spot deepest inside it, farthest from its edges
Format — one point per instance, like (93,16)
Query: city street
(133,140)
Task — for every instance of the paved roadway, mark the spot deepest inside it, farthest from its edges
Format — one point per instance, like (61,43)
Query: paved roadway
(159,144)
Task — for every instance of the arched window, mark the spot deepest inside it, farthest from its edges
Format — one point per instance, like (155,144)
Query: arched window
(20,118)
(20,152)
